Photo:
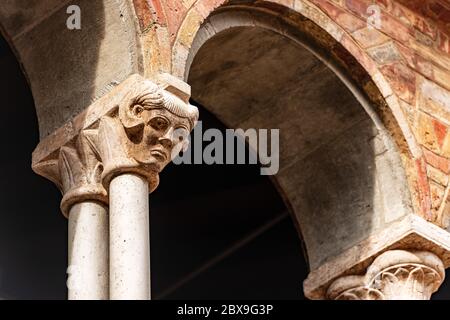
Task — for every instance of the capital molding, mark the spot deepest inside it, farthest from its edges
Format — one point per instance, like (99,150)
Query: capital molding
(412,233)
(115,135)
(78,172)
(393,275)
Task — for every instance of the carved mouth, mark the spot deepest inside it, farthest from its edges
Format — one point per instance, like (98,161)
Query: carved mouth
(159,154)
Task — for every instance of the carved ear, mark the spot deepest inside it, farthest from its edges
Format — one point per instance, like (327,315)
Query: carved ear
(144,96)
(130,115)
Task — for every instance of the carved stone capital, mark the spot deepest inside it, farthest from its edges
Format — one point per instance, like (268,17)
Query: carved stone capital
(145,131)
(394,275)
(79,169)
(411,232)
(139,127)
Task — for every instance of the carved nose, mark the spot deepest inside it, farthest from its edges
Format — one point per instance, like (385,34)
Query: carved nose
(167,139)
(166,142)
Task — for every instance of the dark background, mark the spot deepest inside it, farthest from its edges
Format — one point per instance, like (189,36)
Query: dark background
(206,238)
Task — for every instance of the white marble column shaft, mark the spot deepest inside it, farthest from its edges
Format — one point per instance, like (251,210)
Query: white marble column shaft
(129,238)
(88,267)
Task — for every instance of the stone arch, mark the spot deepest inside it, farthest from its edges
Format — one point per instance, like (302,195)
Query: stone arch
(154,36)
(184,47)
(408,73)
(361,67)
(378,105)
(68,69)
(242,19)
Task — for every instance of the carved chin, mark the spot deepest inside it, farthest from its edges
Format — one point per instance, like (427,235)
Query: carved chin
(154,160)
(159,156)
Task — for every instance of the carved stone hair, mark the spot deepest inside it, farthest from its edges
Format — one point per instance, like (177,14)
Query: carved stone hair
(147,96)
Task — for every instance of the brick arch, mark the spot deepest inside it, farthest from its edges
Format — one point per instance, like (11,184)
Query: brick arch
(291,186)
(386,92)
(154,35)
(202,9)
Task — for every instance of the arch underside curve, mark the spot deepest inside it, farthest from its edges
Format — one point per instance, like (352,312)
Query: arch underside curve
(343,182)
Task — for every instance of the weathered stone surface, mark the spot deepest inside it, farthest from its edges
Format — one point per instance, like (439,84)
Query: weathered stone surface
(430,54)
(437,176)
(143,13)
(156,51)
(435,101)
(444,42)
(129,238)
(175,12)
(258,78)
(384,54)
(394,275)
(206,7)
(423,190)
(411,232)
(19,17)
(343,18)
(88,252)
(415,61)
(320,171)
(443,219)
(320,18)
(427,133)
(136,135)
(191,25)
(369,37)
(400,77)
(441,163)
(88,64)
(403,81)
(359,54)
(441,77)
(436,195)
(408,17)
(429,16)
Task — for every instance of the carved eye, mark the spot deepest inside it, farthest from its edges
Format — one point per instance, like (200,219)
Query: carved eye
(137,109)
(159,123)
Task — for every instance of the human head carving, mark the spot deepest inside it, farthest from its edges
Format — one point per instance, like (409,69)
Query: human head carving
(157,123)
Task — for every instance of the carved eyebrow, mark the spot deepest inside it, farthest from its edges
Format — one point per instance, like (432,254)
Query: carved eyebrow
(160,116)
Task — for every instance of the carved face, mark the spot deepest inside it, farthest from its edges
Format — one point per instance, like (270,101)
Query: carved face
(162,137)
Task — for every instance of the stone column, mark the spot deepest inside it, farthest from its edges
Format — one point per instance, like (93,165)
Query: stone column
(88,252)
(150,126)
(119,144)
(85,205)
(130,240)
(393,275)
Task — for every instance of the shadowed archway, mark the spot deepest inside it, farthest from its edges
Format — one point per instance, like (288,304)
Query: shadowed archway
(340,171)
(33,237)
